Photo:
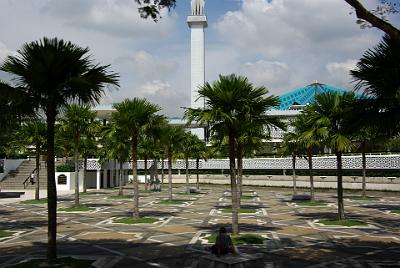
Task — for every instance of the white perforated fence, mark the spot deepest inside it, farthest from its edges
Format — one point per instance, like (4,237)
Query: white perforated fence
(324,162)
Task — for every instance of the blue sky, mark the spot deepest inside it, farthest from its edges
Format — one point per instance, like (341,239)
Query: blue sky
(280,44)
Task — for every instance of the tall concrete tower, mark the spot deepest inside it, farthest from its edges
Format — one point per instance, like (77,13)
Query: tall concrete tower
(197,22)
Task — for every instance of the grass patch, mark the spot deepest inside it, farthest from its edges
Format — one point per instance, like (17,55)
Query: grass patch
(61,263)
(120,197)
(360,198)
(188,194)
(310,203)
(244,239)
(397,211)
(347,223)
(173,202)
(78,209)
(136,221)
(247,197)
(34,202)
(146,191)
(241,210)
(5,234)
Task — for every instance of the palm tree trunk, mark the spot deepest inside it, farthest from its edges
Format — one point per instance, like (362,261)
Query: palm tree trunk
(294,175)
(364,172)
(197,173)
(76,156)
(234,191)
(37,171)
(156,169)
(135,177)
(51,189)
(120,192)
(84,189)
(240,172)
(340,186)
(187,174)
(310,168)
(145,173)
(170,174)
(162,171)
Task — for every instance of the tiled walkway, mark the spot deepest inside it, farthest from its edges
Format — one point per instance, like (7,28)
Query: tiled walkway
(293,239)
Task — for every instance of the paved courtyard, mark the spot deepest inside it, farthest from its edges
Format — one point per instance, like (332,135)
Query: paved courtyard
(292,237)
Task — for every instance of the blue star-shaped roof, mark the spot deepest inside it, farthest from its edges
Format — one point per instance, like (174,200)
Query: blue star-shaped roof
(305,95)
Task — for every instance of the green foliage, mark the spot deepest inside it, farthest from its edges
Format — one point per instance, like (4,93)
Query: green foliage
(121,197)
(152,8)
(136,221)
(60,263)
(347,223)
(6,234)
(34,202)
(77,209)
(65,168)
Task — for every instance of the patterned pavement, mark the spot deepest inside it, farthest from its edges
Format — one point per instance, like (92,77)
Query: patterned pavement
(292,237)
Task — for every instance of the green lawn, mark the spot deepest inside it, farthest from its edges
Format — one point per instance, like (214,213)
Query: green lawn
(360,198)
(136,221)
(347,223)
(61,263)
(247,197)
(241,210)
(5,233)
(173,202)
(249,239)
(78,209)
(120,197)
(146,191)
(191,194)
(396,211)
(34,202)
(310,203)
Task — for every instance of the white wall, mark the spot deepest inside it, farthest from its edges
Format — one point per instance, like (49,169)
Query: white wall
(10,164)
(70,181)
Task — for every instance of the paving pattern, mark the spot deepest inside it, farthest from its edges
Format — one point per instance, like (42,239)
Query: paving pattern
(292,237)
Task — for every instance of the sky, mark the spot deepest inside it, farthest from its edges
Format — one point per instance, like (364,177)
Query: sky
(279,44)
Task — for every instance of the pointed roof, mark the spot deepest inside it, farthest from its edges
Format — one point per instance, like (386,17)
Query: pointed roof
(305,95)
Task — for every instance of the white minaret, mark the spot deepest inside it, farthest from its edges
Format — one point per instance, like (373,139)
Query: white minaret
(197,22)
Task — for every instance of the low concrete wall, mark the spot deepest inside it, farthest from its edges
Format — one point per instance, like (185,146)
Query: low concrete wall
(373,183)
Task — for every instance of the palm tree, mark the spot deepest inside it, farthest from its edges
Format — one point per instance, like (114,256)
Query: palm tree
(291,145)
(133,117)
(331,111)
(173,139)
(89,148)
(312,137)
(228,100)
(51,73)
(200,151)
(114,146)
(376,74)
(189,147)
(33,133)
(76,122)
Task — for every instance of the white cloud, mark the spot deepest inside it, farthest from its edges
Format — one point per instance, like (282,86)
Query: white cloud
(339,71)
(290,42)
(266,73)
(154,87)
(4,52)
(114,17)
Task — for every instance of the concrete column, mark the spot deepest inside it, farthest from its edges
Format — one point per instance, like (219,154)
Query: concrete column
(98,177)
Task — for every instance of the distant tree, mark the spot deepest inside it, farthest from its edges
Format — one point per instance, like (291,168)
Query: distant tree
(77,122)
(152,8)
(331,112)
(133,117)
(32,133)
